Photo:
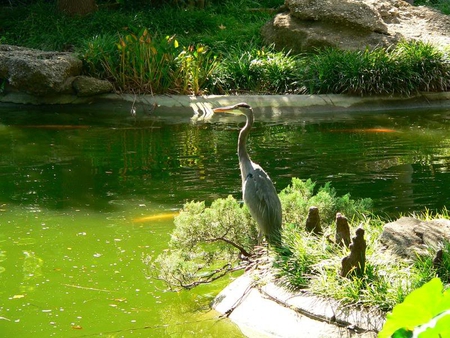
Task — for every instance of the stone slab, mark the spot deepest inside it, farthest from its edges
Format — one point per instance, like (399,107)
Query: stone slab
(274,312)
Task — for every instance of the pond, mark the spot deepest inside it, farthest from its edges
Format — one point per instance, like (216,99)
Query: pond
(87,197)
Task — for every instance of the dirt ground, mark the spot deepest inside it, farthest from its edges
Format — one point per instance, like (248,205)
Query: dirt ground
(416,22)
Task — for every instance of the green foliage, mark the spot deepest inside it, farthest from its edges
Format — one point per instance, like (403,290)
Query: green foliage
(257,70)
(145,63)
(430,267)
(230,30)
(407,68)
(297,262)
(314,262)
(209,242)
(206,243)
(443,267)
(442,5)
(195,66)
(148,64)
(298,197)
(99,55)
(424,313)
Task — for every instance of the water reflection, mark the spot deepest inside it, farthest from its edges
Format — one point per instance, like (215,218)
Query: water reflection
(401,161)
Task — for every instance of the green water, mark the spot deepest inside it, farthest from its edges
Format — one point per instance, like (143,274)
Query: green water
(86,198)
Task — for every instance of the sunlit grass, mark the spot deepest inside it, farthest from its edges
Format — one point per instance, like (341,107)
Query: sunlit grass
(313,263)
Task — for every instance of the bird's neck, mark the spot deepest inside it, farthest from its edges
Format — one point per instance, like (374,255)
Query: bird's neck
(244,158)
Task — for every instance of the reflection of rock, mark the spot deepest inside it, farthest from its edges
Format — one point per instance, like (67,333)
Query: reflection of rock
(313,221)
(356,260)
(410,237)
(41,73)
(342,230)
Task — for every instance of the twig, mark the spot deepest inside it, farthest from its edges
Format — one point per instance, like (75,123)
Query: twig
(87,288)
(244,252)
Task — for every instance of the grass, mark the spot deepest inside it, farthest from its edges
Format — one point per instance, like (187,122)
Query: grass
(313,263)
(441,5)
(219,51)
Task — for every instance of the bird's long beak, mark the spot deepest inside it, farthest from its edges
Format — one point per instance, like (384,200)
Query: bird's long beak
(227,109)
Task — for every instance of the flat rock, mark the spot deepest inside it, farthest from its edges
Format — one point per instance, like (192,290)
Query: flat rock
(271,311)
(409,237)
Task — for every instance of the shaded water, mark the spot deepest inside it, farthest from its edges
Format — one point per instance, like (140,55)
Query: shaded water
(85,197)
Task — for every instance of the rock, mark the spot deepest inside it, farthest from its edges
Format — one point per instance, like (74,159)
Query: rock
(269,310)
(342,230)
(37,72)
(313,221)
(46,75)
(88,86)
(356,260)
(354,25)
(409,237)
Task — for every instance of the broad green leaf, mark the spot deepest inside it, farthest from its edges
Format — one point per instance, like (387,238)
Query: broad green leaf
(437,327)
(418,308)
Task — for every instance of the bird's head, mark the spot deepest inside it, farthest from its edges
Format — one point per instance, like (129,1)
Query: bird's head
(237,109)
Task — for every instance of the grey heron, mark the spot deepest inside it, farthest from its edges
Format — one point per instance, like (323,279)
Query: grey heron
(258,191)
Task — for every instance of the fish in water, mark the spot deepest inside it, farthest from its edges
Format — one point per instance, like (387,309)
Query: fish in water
(156,217)
(55,126)
(364,130)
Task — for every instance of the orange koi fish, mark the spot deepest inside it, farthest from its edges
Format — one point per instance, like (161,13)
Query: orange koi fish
(364,130)
(55,126)
(157,217)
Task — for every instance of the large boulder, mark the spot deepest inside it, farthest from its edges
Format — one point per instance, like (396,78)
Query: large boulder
(42,74)
(409,237)
(307,25)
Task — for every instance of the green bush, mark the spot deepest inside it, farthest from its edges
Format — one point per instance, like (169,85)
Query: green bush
(206,243)
(256,70)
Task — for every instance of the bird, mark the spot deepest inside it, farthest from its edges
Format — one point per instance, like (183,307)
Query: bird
(258,192)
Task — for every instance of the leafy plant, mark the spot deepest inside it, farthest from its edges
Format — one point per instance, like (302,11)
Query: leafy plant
(300,195)
(424,313)
(194,67)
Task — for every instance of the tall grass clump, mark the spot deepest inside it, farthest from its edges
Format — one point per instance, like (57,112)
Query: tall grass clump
(146,63)
(407,68)
(261,70)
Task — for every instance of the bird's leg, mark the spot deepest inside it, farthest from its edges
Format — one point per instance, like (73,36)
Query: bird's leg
(260,238)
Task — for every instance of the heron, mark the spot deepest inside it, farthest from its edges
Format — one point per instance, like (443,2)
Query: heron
(258,192)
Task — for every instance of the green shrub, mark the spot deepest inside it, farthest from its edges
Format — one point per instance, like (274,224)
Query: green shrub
(300,195)
(206,243)
(256,70)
